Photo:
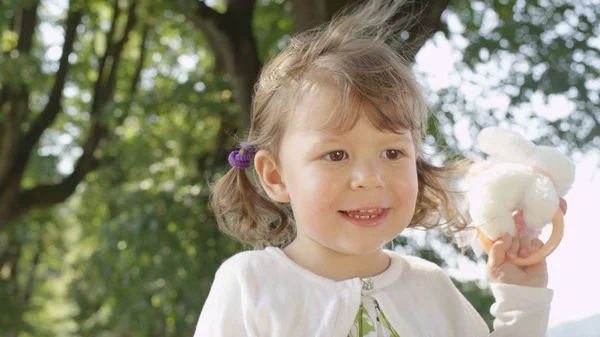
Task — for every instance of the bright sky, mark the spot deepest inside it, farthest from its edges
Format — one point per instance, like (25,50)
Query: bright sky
(573,267)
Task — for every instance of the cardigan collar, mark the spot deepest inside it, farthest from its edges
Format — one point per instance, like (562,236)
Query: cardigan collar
(367,284)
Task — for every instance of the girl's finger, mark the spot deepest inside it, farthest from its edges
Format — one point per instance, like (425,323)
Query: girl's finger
(518,218)
(563,205)
(536,244)
(514,248)
(525,247)
(497,254)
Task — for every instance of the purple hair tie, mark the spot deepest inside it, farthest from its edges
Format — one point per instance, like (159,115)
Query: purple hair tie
(242,160)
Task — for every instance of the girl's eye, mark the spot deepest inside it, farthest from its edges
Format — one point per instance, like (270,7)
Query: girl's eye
(336,155)
(392,154)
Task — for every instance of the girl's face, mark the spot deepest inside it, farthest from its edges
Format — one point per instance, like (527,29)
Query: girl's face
(350,192)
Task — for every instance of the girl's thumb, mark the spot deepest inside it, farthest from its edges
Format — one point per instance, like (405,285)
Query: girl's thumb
(497,255)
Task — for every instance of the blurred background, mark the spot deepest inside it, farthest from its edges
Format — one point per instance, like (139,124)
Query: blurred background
(116,115)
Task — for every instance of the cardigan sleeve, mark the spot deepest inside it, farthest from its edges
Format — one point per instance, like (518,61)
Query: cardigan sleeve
(520,310)
(222,314)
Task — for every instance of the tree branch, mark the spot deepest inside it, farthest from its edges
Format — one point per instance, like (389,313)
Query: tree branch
(17,159)
(3,100)
(14,99)
(118,51)
(53,107)
(31,280)
(311,13)
(139,66)
(23,23)
(212,24)
(246,63)
(11,249)
(10,133)
(232,41)
(98,86)
(242,9)
(46,195)
(140,62)
(26,22)
(14,266)
(429,21)
(208,14)
(10,178)
(218,160)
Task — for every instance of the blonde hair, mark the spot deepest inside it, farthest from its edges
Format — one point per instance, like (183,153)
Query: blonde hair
(352,52)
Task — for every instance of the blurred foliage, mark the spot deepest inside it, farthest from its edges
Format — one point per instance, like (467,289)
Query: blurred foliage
(518,59)
(133,251)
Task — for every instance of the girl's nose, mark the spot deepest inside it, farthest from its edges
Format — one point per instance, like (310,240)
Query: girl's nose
(366,176)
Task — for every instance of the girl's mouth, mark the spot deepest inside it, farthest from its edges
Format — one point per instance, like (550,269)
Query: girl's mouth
(369,217)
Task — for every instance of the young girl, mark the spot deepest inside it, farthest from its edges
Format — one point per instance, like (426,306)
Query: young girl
(335,143)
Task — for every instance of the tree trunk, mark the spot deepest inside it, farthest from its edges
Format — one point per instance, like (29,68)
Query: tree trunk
(14,101)
(231,38)
(311,13)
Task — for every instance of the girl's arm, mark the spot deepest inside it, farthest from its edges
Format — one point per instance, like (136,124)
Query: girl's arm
(222,314)
(520,310)
(522,305)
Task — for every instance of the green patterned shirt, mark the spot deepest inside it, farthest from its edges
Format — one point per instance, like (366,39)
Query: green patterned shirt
(370,321)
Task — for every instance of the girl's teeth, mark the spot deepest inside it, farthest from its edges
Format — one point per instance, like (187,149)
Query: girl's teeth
(373,210)
(362,216)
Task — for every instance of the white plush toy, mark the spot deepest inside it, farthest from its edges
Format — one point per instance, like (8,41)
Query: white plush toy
(519,176)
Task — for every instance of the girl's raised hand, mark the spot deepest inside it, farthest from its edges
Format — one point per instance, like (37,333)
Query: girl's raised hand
(501,270)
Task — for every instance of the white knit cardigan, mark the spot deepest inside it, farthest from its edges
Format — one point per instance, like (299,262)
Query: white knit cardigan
(264,293)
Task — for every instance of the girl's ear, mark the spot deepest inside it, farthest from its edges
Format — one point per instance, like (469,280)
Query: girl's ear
(270,176)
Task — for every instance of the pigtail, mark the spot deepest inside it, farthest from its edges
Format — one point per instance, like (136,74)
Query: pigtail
(440,200)
(244,212)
